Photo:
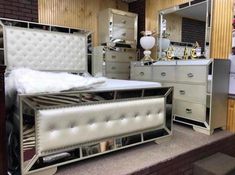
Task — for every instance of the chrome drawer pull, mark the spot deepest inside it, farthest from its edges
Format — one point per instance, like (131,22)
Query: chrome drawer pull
(163,74)
(130,57)
(190,75)
(113,56)
(189,111)
(124,34)
(124,21)
(113,68)
(141,73)
(182,92)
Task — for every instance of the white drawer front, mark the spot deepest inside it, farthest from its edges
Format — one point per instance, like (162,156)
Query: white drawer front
(120,56)
(164,73)
(193,74)
(123,33)
(118,76)
(141,73)
(188,110)
(123,21)
(114,67)
(193,93)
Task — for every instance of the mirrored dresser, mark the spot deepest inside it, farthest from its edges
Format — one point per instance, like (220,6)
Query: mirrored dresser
(117,26)
(200,89)
(117,44)
(113,63)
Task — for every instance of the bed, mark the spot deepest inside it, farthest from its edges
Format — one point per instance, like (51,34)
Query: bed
(57,128)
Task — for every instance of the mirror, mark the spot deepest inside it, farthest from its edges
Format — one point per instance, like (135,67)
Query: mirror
(184,31)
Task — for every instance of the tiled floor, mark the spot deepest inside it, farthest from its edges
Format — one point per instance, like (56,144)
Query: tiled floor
(141,157)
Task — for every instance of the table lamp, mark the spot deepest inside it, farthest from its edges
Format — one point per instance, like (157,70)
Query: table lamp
(147,41)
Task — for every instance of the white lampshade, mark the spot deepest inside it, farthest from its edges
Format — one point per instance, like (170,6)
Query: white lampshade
(147,42)
(165,43)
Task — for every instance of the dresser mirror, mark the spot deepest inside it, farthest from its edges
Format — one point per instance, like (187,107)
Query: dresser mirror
(184,31)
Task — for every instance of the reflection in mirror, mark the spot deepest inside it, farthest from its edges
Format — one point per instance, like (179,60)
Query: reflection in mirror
(124,141)
(103,146)
(28,134)
(185,31)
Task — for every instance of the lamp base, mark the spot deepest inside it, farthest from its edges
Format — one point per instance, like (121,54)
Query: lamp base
(147,56)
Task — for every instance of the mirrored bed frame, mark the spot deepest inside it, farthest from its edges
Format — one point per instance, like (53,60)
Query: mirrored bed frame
(60,128)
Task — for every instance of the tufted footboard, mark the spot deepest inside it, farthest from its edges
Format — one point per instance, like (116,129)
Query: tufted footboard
(83,124)
(57,129)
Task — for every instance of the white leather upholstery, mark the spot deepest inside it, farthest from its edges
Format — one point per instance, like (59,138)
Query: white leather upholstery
(66,127)
(44,50)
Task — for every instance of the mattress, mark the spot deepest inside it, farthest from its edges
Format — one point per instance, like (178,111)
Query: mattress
(48,99)
(114,84)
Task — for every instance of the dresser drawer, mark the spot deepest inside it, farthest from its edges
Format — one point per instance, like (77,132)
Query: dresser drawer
(120,56)
(192,93)
(193,111)
(115,67)
(118,76)
(164,73)
(123,21)
(141,73)
(191,74)
(123,33)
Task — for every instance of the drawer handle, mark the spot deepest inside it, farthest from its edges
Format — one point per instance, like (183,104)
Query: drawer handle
(124,21)
(141,73)
(190,75)
(113,68)
(113,56)
(189,111)
(182,92)
(163,74)
(130,57)
(124,34)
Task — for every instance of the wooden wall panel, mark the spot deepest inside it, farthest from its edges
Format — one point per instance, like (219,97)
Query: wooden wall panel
(221,36)
(76,13)
(231,115)
(221,30)
(152,9)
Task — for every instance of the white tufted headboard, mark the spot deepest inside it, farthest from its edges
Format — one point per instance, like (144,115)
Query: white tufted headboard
(44,50)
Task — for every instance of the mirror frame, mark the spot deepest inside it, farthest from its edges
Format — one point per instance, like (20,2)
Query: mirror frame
(209,18)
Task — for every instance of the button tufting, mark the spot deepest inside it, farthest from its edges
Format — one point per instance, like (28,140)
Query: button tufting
(107,120)
(67,48)
(136,115)
(72,125)
(51,127)
(148,113)
(122,117)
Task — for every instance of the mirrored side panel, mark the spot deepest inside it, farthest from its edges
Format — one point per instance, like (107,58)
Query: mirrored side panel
(28,134)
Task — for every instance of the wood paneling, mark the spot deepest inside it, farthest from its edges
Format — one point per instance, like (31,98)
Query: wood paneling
(231,115)
(221,36)
(76,13)
(221,23)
